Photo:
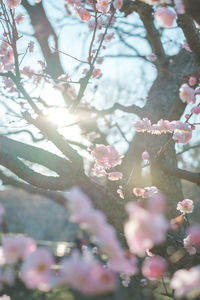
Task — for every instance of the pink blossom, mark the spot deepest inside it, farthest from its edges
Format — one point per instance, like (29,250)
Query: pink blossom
(192,81)
(83,14)
(154,267)
(94,222)
(36,269)
(182,137)
(96,73)
(118,4)
(194,233)
(142,125)
(144,229)
(185,206)
(27,71)
(13,3)
(113,176)
(146,192)
(187,94)
(145,155)
(78,202)
(188,246)
(165,17)
(186,282)
(152,57)
(103,6)
(106,156)
(17,247)
(156,203)
(19,18)
(87,275)
(195,110)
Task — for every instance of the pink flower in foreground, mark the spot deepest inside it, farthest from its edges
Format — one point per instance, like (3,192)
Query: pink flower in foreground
(145,155)
(165,17)
(36,269)
(187,94)
(17,247)
(185,206)
(154,267)
(87,275)
(144,229)
(13,3)
(94,222)
(186,282)
(118,4)
(113,176)
(156,204)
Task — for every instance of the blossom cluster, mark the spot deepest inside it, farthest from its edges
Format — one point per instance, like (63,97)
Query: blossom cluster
(106,158)
(182,131)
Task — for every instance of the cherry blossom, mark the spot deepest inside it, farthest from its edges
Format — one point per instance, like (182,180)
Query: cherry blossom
(83,14)
(118,4)
(113,176)
(186,282)
(195,110)
(192,81)
(13,3)
(187,94)
(95,223)
(17,247)
(144,229)
(145,155)
(103,6)
(36,269)
(87,275)
(154,267)
(146,192)
(185,206)
(5,297)
(165,17)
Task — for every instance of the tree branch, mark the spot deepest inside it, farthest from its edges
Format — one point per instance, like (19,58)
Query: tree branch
(183,174)
(56,196)
(37,155)
(51,132)
(11,162)
(191,33)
